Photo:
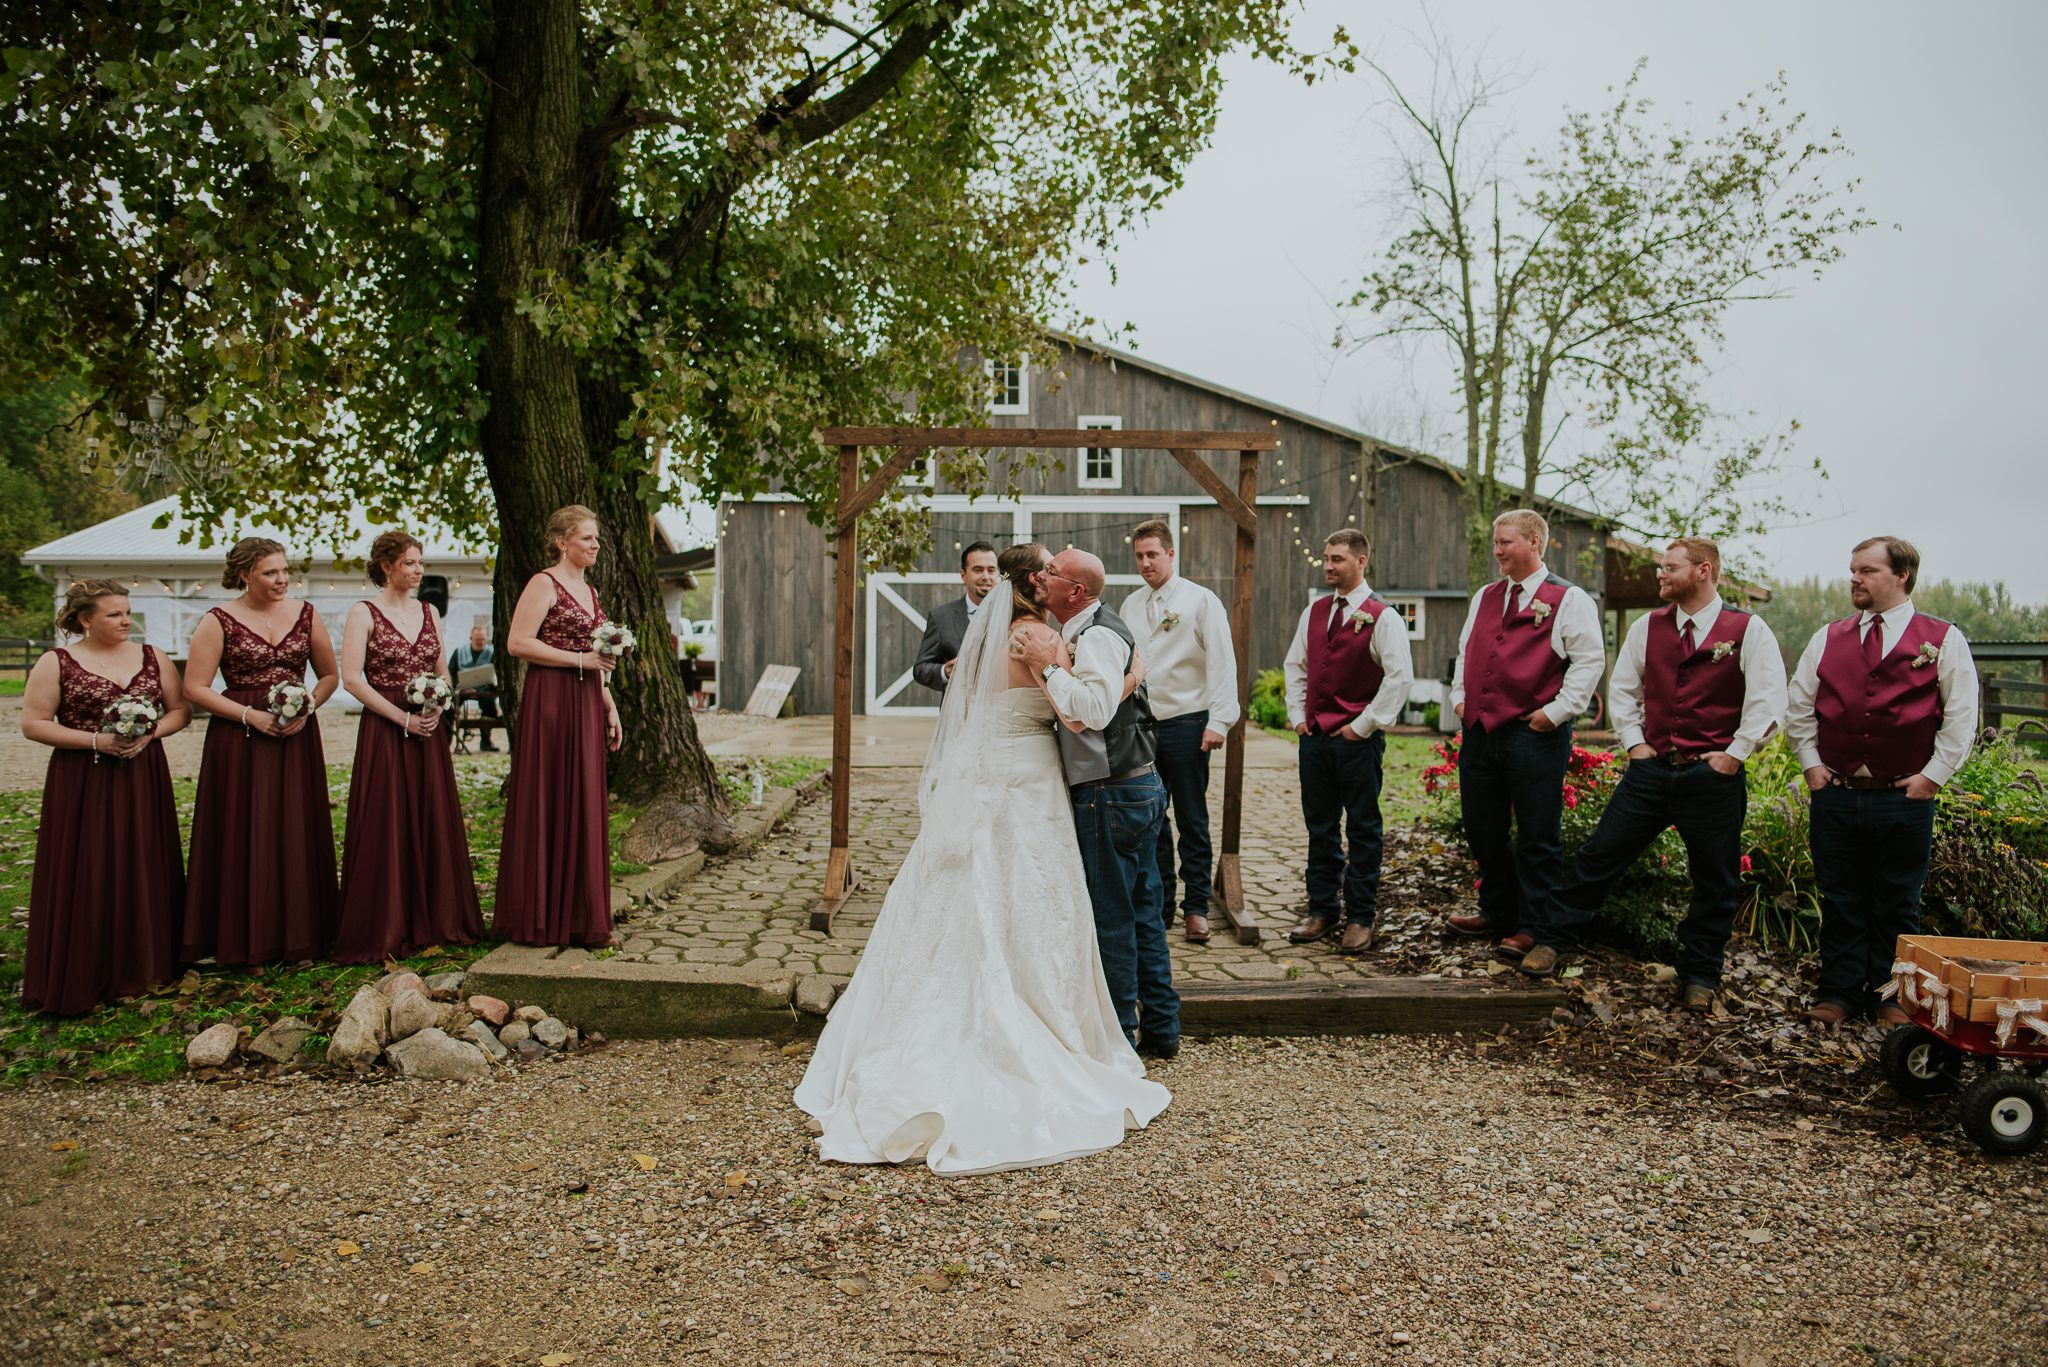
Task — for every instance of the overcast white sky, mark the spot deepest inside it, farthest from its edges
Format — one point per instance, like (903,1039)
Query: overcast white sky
(1910,366)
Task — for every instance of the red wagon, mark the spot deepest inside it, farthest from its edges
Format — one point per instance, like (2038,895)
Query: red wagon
(1983,1000)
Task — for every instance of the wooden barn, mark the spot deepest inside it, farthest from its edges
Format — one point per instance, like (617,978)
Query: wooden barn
(775,580)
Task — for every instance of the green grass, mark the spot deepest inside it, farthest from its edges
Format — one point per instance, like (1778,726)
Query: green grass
(13,688)
(146,1040)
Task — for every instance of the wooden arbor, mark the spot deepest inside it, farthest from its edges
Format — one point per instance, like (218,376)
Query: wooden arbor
(911,442)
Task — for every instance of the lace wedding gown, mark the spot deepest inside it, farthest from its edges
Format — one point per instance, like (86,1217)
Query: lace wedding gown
(979,1035)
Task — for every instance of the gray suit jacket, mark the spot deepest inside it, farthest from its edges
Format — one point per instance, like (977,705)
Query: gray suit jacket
(944,630)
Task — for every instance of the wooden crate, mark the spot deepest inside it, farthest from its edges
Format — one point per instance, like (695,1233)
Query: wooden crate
(1974,993)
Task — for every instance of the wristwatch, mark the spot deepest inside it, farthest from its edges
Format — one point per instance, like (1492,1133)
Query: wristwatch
(1048,672)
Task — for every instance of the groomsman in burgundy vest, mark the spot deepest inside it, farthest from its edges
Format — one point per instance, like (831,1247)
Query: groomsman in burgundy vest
(1883,712)
(1697,688)
(1529,658)
(1348,675)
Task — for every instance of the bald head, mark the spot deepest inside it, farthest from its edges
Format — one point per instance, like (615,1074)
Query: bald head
(1072,582)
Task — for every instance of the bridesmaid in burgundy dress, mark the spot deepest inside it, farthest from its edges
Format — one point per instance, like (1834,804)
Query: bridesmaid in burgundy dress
(261,888)
(554,868)
(109,883)
(406,879)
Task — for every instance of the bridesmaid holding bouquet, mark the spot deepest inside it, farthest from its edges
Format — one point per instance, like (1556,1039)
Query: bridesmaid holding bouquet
(261,888)
(554,868)
(406,879)
(109,884)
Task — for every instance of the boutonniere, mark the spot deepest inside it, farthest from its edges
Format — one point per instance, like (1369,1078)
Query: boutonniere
(1929,654)
(1169,621)
(1721,651)
(1359,619)
(1540,610)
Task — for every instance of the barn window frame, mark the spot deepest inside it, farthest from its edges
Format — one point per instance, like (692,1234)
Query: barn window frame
(1101,467)
(1414,614)
(1016,379)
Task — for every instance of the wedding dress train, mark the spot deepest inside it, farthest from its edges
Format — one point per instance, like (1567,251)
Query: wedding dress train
(979,1035)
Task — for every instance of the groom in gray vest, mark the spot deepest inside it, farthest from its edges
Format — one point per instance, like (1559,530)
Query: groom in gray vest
(1119,800)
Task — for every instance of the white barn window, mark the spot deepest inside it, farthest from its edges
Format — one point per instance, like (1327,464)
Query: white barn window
(1412,612)
(1009,384)
(1102,467)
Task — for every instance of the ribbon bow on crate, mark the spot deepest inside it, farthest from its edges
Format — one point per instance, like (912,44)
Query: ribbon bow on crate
(2013,1014)
(1929,992)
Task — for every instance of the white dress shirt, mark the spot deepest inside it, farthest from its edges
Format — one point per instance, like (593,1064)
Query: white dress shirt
(1091,692)
(1189,666)
(1389,651)
(1955,680)
(1763,680)
(1574,635)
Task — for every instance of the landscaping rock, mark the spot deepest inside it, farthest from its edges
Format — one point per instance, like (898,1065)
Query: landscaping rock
(433,1057)
(512,1034)
(213,1046)
(364,1029)
(532,1049)
(280,1043)
(480,1035)
(391,984)
(530,1014)
(411,1012)
(814,994)
(551,1032)
(490,1009)
(446,986)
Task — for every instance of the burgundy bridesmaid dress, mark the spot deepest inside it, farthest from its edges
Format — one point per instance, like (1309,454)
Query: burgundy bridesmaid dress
(406,880)
(109,884)
(554,867)
(261,888)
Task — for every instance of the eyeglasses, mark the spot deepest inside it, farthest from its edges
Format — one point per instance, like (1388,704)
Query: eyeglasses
(1052,573)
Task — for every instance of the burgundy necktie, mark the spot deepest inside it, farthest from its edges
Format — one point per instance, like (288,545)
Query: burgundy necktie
(1873,643)
(1336,612)
(1514,601)
(1685,639)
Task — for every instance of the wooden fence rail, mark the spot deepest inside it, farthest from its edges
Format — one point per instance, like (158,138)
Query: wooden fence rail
(18,652)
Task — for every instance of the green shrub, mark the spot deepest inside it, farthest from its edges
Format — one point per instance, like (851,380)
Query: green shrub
(1989,875)
(1432,715)
(1269,699)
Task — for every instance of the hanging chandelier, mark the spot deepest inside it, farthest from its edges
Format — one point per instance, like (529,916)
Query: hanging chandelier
(150,456)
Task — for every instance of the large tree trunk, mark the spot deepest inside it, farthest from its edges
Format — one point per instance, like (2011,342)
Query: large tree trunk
(532,433)
(542,427)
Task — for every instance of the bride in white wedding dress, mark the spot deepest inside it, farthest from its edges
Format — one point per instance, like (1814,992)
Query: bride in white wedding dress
(979,1035)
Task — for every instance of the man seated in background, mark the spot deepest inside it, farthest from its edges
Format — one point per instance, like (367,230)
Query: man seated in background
(476,654)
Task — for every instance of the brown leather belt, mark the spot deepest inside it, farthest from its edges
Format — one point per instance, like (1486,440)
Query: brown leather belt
(1124,777)
(1678,761)
(1862,784)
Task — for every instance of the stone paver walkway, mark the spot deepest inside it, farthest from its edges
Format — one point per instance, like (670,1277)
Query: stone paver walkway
(754,909)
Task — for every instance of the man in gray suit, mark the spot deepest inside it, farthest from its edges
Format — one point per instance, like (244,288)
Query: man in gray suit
(946,628)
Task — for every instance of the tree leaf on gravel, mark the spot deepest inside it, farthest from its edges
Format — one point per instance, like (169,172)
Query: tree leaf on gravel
(1757,1236)
(1047,1214)
(857,1285)
(420,1269)
(557,1360)
(345,1249)
(64,1146)
(645,1160)
(529,1166)
(1572,972)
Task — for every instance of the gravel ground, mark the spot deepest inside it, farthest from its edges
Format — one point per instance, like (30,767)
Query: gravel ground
(1363,1200)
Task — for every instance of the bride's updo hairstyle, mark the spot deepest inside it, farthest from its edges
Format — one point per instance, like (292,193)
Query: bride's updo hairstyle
(1016,565)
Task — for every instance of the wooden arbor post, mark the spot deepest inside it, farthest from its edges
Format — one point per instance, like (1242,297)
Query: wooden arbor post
(841,879)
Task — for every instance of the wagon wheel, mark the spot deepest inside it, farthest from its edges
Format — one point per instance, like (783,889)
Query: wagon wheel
(1917,1062)
(2004,1113)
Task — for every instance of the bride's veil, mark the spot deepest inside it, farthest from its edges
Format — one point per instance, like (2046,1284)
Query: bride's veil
(957,767)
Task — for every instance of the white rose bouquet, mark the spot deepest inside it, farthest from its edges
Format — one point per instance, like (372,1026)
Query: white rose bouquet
(426,693)
(128,718)
(289,701)
(611,638)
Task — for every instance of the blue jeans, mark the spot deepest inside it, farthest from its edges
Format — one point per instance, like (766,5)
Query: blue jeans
(1118,826)
(1184,767)
(1511,781)
(1340,787)
(1870,856)
(1708,809)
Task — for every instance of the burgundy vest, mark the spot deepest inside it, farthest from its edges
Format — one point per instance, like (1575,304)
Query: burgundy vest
(1510,668)
(1343,676)
(1692,703)
(1886,717)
